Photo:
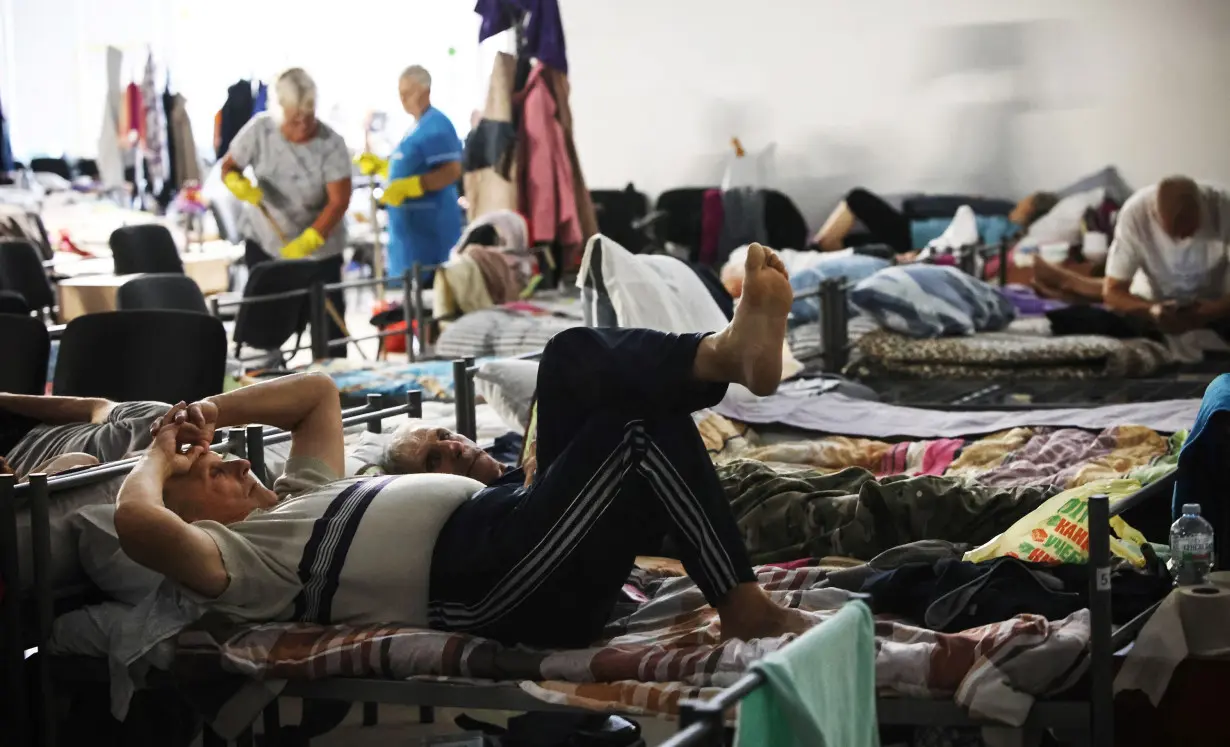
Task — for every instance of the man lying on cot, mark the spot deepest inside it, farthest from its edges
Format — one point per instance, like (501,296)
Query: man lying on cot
(55,434)
(538,560)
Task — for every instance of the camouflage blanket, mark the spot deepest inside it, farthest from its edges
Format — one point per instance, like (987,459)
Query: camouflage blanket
(663,645)
(787,514)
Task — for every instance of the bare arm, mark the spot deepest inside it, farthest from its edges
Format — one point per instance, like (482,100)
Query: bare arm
(441,176)
(335,208)
(1209,312)
(152,535)
(1118,297)
(307,405)
(57,410)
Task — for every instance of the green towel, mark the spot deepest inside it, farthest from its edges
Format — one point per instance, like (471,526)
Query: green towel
(819,691)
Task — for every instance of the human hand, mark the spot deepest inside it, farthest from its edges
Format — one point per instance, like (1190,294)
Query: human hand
(1168,317)
(303,246)
(243,189)
(196,422)
(400,190)
(169,453)
(370,163)
(530,463)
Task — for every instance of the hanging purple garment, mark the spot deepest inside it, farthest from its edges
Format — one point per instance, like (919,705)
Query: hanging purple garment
(711,220)
(1029,303)
(544,31)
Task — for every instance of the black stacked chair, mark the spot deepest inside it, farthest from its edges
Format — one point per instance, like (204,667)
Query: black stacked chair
(26,349)
(57,166)
(618,212)
(683,208)
(146,248)
(166,356)
(21,271)
(266,325)
(161,291)
(12,302)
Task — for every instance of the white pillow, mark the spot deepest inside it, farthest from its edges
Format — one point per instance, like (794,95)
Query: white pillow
(650,291)
(98,548)
(508,386)
(1063,222)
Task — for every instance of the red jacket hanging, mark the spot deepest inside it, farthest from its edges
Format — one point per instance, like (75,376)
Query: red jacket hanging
(545,196)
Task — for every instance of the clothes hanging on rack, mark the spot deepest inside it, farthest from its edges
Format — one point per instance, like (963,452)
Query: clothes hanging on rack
(153,134)
(173,179)
(110,152)
(235,113)
(543,32)
(546,191)
(6,147)
(187,161)
(133,119)
(489,179)
(561,90)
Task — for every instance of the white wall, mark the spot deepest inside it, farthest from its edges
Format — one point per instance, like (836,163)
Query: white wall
(1001,97)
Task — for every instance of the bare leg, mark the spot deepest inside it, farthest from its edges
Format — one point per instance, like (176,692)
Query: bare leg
(749,350)
(1056,280)
(835,228)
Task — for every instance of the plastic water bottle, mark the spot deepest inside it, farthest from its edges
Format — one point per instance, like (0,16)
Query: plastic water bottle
(1191,546)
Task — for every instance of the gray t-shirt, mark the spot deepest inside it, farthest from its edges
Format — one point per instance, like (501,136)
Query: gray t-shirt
(293,178)
(126,430)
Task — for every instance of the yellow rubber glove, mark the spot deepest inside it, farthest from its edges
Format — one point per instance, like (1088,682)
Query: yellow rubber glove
(242,188)
(308,242)
(400,190)
(370,163)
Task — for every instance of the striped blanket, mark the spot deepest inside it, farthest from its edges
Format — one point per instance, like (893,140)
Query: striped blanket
(662,645)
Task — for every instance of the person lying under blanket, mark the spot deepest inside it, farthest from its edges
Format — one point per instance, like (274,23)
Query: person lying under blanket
(535,558)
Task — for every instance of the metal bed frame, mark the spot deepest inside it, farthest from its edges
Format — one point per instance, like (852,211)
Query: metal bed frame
(702,723)
(318,315)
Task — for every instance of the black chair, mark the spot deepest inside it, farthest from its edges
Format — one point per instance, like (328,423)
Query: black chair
(165,356)
(161,291)
(618,211)
(683,208)
(784,225)
(148,248)
(57,166)
(26,349)
(21,271)
(88,168)
(12,302)
(266,325)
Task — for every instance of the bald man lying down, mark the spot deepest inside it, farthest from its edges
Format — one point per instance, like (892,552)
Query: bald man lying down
(466,546)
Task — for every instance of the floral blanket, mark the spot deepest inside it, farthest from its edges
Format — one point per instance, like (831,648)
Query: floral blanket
(663,645)
(1060,457)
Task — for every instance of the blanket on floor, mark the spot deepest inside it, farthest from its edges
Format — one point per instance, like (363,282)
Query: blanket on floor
(665,648)
(361,378)
(1006,355)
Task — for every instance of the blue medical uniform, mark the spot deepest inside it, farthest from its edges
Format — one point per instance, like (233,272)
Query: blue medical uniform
(424,230)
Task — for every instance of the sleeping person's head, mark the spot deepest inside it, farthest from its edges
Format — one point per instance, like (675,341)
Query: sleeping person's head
(216,489)
(1178,207)
(414,448)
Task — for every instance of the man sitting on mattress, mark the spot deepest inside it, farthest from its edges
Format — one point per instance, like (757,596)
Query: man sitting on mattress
(1168,262)
(538,560)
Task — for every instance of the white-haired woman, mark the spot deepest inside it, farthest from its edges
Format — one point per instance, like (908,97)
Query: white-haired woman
(297,205)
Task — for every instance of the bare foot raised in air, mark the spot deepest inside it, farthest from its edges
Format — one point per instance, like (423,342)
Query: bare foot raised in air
(751,345)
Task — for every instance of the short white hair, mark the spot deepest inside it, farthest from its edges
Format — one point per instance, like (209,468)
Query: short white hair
(296,90)
(418,74)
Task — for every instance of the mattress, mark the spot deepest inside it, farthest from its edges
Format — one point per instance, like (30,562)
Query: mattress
(509,330)
(357,379)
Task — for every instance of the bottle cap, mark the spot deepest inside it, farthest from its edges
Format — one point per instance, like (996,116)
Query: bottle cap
(1191,508)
